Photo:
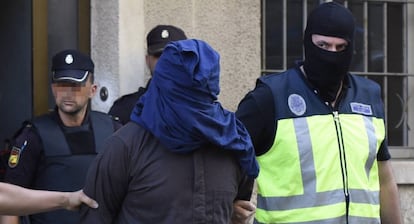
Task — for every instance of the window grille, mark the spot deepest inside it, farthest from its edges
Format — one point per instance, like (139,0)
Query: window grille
(384,52)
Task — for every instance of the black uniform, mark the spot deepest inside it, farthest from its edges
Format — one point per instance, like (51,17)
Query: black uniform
(122,107)
(49,156)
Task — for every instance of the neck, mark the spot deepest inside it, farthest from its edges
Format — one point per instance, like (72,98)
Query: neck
(72,120)
(333,103)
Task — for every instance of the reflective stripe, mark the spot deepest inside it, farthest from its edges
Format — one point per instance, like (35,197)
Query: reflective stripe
(305,154)
(336,221)
(300,201)
(316,199)
(372,144)
(364,196)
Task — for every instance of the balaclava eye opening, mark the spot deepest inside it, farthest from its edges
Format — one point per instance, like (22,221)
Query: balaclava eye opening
(326,69)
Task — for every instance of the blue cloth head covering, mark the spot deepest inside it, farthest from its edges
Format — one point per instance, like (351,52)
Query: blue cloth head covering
(181,109)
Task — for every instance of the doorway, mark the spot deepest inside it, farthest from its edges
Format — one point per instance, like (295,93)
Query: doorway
(34,32)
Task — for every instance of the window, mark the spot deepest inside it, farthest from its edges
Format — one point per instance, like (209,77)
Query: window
(384,52)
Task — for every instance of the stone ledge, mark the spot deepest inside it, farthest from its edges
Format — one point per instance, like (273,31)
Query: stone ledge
(403,171)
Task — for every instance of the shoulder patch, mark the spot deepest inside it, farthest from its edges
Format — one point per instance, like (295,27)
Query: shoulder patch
(297,104)
(15,155)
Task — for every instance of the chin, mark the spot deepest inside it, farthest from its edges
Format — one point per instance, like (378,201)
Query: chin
(69,111)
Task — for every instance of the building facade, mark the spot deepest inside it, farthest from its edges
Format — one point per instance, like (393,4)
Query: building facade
(253,38)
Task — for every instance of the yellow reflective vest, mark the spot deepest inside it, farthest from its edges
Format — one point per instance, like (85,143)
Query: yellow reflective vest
(322,165)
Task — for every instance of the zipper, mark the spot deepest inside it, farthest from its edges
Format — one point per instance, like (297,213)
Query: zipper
(342,158)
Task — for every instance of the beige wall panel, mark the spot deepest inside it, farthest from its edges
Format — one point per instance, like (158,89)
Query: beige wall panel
(117,47)
(232,27)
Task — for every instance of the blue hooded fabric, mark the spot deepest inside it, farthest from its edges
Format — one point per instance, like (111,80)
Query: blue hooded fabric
(181,109)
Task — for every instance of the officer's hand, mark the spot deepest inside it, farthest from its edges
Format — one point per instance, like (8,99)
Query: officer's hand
(243,211)
(75,199)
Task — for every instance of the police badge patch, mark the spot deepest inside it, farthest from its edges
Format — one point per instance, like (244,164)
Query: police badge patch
(14,157)
(297,104)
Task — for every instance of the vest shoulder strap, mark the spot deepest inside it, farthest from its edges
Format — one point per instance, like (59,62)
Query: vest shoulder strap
(103,127)
(53,138)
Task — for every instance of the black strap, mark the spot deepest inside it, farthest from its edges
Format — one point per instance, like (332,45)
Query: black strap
(102,126)
(53,138)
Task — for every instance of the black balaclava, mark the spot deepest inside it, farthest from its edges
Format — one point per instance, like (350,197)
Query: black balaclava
(326,69)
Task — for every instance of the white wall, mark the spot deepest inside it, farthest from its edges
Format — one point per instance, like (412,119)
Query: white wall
(117,47)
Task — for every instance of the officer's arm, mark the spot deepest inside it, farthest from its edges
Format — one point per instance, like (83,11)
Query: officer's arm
(243,212)
(389,199)
(243,207)
(256,112)
(9,219)
(15,200)
(22,162)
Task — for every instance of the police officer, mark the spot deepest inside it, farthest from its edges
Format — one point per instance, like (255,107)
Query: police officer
(53,151)
(157,38)
(319,134)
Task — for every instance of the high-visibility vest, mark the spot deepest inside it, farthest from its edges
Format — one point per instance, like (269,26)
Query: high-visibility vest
(322,165)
